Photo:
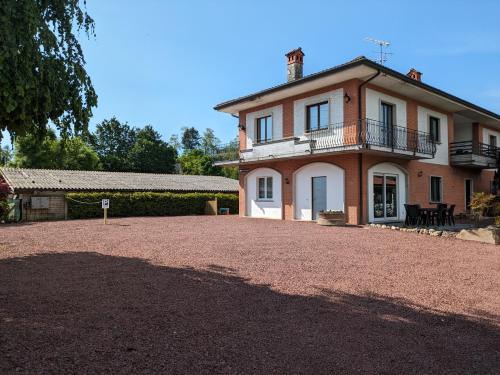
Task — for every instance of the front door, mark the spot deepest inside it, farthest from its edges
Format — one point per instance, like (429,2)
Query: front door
(468,193)
(318,196)
(385,196)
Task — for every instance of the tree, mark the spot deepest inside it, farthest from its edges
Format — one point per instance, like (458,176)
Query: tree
(174,142)
(195,162)
(49,152)
(75,154)
(5,155)
(209,142)
(42,74)
(150,154)
(112,140)
(190,138)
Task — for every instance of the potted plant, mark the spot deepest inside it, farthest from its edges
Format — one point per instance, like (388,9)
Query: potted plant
(480,204)
(330,217)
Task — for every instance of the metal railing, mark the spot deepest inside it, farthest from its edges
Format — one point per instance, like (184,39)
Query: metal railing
(369,132)
(226,152)
(365,133)
(474,148)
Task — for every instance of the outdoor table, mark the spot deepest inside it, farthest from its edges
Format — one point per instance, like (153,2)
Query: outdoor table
(426,212)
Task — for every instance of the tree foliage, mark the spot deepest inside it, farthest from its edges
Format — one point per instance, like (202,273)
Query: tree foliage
(209,141)
(5,155)
(190,138)
(42,67)
(195,162)
(150,154)
(49,152)
(113,140)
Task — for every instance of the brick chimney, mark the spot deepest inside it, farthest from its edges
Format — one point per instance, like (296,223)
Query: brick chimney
(295,64)
(415,74)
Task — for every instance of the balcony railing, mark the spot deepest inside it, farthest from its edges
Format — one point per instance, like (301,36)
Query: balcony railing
(362,134)
(474,148)
(372,134)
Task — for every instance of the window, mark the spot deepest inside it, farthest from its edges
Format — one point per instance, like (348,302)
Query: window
(493,140)
(317,116)
(435,129)
(264,129)
(436,189)
(265,188)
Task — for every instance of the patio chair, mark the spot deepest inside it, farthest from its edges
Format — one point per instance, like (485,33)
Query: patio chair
(440,214)
(450,217)
(412,214)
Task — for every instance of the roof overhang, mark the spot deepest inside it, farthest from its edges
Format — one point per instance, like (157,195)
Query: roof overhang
(362,69)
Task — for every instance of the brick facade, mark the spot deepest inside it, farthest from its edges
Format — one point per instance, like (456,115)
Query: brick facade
(356,206)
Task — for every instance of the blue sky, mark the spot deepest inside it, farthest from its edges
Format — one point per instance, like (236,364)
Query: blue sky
(167,63)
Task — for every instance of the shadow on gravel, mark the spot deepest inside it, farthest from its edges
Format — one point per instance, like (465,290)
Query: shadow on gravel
(90,313)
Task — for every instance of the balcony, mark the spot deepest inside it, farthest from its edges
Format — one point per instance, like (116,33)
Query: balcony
(471,154)
(360,136)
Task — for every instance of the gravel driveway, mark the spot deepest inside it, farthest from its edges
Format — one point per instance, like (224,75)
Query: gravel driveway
(227,295)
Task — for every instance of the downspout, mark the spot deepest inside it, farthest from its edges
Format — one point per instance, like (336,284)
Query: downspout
(360,155)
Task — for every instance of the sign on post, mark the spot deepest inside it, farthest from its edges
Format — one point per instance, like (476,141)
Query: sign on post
(105,206)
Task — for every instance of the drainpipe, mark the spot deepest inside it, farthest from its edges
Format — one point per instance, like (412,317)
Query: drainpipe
(360,155)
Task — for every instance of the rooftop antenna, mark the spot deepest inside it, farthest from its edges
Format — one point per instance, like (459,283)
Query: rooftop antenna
(383,54)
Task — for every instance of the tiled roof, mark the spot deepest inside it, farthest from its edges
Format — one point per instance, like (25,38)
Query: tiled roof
(48,179)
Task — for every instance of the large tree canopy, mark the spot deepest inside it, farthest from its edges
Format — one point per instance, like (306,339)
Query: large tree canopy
(113,140)
(42,74)
(51,153)
(150,154)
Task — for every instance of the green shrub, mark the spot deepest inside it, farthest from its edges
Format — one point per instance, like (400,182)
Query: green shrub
(146,204)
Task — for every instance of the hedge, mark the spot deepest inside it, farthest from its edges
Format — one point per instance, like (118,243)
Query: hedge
(146,204)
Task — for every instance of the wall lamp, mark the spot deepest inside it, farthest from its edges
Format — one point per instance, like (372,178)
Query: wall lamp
(347,98)
(242,127)
(420,173)
(287,181)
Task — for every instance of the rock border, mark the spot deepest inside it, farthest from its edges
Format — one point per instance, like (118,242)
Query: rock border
(429,231)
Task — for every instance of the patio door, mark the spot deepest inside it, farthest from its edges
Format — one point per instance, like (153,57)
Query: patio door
(387,124)
(318,196)
(468,193)
(385,196)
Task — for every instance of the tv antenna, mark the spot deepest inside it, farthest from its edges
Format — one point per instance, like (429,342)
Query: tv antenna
(383,54)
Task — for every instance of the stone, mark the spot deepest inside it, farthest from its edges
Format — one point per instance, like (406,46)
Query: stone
(394,227)
(487,235)
(384,226)
(436,233)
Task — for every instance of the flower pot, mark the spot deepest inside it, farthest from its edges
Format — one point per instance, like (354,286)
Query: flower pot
(331,218)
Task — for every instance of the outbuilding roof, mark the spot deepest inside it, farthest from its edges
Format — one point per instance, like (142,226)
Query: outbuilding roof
(20,179)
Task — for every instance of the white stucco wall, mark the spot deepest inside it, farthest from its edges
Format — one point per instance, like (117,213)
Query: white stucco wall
(486,136)
(264,209)
(251,118)
(336,104)
(442,155)
(303,184)
(373,106)
(388,168)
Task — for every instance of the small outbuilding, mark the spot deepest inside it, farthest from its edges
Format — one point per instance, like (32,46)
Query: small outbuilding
(42,192)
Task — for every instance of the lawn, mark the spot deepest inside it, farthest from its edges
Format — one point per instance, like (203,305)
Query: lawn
(227,295)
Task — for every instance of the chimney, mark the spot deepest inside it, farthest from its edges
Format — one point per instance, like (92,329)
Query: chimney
(415,74)
(295,64)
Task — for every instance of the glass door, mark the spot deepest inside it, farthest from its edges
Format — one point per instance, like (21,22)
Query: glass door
(387,124)
(385,196)
(318,196)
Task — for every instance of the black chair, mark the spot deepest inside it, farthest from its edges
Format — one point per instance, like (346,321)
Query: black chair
(450,217)
(412,214)
(440,214)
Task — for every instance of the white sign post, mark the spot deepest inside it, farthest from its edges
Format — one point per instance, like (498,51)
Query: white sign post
(105,206)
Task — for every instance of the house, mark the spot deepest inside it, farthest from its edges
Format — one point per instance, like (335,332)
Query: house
(43,191)
(361,138)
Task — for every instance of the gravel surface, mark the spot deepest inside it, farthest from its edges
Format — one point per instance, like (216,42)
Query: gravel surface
(227,295)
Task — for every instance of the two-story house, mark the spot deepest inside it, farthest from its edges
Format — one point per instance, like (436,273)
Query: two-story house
(360,138)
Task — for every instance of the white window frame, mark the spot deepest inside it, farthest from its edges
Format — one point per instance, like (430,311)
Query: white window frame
(440,189)
(266,199)
(256,127)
